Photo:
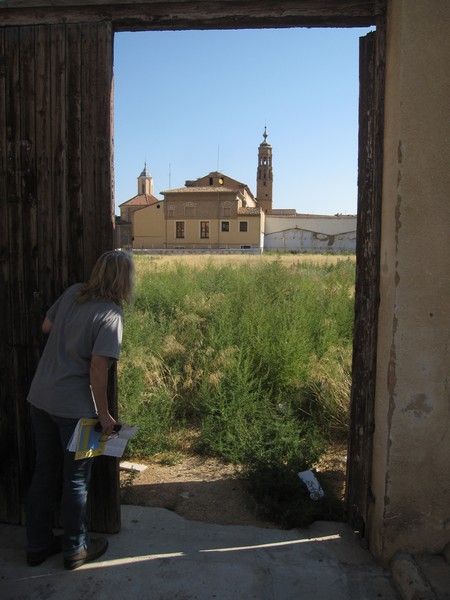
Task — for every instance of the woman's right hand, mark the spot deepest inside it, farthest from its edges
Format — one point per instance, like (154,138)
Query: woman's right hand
(107,422)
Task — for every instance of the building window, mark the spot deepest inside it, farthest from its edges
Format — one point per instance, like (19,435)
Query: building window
(204,230)
(179,229)
(243,226)
(171,211)
(226,210)
(225,225)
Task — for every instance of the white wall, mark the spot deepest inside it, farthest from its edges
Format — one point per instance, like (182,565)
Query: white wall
(310,233)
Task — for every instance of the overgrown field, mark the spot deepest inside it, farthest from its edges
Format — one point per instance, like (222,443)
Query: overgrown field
(244,358)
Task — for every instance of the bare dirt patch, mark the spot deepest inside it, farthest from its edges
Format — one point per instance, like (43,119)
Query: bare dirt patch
(197,488)
(204,489)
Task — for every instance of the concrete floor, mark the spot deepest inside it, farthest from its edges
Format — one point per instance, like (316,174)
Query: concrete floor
(159,555)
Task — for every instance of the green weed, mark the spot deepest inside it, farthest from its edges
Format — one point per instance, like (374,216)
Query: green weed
(254,358)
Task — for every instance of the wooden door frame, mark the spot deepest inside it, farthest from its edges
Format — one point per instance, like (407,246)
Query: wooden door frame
(367,296)
(157,15)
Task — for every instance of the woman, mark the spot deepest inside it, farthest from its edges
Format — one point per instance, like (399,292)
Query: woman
(85,332)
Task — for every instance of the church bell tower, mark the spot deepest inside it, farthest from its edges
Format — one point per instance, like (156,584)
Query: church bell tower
(264,177)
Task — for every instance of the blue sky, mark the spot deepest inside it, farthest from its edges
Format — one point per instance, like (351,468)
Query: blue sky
(191,102)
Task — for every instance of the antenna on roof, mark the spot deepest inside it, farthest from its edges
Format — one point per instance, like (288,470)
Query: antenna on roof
(218,153)
(170,176)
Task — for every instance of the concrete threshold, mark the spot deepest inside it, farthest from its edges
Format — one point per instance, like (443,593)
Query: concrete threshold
(161,556)
(423,577)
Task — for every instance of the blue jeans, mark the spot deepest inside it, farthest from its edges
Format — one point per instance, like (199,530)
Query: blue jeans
(52,435)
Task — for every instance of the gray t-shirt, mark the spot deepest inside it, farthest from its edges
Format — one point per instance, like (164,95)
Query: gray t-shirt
(61,385)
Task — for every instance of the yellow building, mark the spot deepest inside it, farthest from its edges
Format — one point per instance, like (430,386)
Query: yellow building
(213,212)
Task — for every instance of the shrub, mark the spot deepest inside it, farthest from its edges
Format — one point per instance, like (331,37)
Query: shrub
(255,359)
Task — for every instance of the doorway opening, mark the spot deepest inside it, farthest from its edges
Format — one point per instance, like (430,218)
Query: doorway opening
(208,97)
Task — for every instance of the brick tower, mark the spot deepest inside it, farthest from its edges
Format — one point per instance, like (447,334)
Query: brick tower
(264,177)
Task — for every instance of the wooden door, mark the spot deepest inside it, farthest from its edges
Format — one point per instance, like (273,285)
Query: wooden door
(370,162)
(57,217)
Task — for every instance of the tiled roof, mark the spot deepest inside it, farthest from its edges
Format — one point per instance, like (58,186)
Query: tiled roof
(141,200)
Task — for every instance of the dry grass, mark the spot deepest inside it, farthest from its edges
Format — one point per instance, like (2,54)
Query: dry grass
(198,261)
(332,468)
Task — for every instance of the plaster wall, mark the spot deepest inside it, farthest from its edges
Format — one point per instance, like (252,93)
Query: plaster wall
(300,240)
(233,238)
(411,458)
(152,228)
(310,233)
(149,227)
(206,204)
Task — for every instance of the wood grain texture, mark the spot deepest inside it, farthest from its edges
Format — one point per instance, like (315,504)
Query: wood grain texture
(362,420)
(56,198)
(127,15)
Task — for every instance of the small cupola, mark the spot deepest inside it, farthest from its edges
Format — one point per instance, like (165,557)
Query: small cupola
(145,182)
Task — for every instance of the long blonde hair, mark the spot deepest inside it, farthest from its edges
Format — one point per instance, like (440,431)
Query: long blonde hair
(112,278)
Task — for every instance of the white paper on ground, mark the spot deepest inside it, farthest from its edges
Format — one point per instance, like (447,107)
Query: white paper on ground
(314,488)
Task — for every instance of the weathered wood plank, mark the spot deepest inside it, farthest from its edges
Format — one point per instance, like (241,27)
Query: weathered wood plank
(89,101)
(105,117)
(28,353)
(372,49)
(96,140)
(356,6)
(202,14)
(361,393)
(7,445)
(310,7)
(14,302)
(59,158)
(74,154)
(28,184)
(44,180)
